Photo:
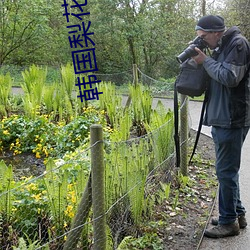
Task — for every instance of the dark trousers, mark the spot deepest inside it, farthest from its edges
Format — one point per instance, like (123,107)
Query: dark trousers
(228,145)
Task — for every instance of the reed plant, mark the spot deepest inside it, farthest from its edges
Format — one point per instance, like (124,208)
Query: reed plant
(137,175)
(48,98)
(126,172)
(141,106)
(161,130)
(122,130)
(5,90)
(6,184)
(68,79)
(66,104)
(64,185)
(111,103)
(56,185)
(7,232)
(62,107)
(34,80)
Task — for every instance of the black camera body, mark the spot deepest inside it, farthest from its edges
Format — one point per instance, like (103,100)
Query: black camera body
(190,51)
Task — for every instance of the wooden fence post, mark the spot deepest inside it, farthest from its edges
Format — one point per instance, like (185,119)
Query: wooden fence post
(80,218)
(98,195)
(135,74)
(184,135)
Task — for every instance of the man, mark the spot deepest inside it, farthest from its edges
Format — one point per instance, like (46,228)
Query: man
(228,112)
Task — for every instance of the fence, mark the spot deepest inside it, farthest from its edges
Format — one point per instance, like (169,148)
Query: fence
(64,208)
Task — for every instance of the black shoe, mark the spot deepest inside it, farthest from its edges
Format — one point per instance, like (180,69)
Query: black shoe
(221,231)
(241,219)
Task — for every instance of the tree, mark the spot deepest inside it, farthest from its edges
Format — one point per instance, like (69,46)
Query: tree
(149,33)
(145,32)
(29,31)
(15,28)
(237,12)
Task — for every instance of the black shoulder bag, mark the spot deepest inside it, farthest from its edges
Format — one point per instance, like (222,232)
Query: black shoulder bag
(191,81)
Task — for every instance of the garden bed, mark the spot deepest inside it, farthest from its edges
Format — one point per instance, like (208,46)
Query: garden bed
(178,221)
(150,204)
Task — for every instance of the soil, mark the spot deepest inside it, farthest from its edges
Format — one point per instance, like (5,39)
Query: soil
(186,223)
(25,164)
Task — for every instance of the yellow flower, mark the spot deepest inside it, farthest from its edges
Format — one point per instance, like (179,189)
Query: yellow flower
(6,132)
(26,178)
(38,155)
(31,187)
(45,151)
(14,209)
(37,196)
(69,211)
(16,152)
(73,199)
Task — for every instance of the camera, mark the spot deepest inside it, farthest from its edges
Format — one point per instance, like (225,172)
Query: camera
(190,51)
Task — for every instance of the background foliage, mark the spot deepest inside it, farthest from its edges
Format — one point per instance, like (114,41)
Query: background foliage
(149,33)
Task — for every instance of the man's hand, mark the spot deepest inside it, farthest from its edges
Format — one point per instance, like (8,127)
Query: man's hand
(200,58)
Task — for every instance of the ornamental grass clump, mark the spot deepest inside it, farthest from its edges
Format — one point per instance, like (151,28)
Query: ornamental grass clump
(141,106)
(5,90)
(160,131)
(33,84)
(113,109)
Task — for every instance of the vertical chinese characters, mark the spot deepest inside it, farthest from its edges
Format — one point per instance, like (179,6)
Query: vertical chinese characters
(83,56)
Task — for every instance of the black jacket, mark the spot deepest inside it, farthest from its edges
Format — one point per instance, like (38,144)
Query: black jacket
(229,90)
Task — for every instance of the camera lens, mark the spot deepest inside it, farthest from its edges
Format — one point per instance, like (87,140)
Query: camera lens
(187,53)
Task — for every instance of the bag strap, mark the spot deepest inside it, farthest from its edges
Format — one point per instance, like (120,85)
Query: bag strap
(199,127)
(176,126)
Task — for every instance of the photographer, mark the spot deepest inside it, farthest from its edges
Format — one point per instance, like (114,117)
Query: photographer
(228,112)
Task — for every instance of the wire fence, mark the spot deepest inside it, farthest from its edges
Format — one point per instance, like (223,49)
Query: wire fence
(42,208)
(162,87)
(159,87)
(55,210)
